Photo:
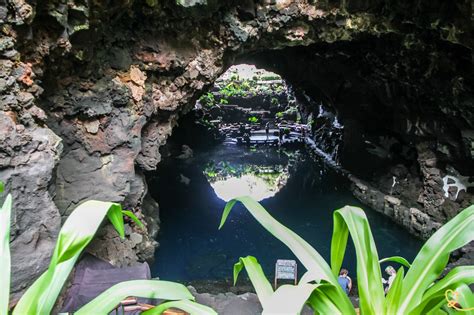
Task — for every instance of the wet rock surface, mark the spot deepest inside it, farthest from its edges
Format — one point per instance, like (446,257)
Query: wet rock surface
(90,91)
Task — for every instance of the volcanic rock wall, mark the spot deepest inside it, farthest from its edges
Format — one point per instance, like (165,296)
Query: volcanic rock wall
(91,89)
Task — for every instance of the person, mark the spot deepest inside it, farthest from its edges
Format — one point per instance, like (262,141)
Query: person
(267,129)
(247,137)
(345,281)
(392,274)
(241,129)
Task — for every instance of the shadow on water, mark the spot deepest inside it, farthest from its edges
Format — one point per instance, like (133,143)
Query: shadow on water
(191,246)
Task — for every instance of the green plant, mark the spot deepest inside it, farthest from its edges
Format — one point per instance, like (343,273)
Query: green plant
(253,120)
(279,115)
(279,89)
(74,236)
(224,101)
(274,101)
(417,292)
(208,99)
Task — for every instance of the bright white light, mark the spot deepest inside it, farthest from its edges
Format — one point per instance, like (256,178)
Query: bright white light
(246,72)
(246,185)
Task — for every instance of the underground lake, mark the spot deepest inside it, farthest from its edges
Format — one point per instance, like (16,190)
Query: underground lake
(299,190)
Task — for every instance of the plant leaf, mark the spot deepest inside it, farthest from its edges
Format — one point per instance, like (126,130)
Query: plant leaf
(306,254)
(154,289)
(398,259)
(134,218)
(433,257)
(354,221)
(78,230)
(262,286)
(5,262)
(289,299)
(307,277)
(461,274)
(435,294)
(320,301)
(2,186)
(466,299)
(395,292)
(192,308)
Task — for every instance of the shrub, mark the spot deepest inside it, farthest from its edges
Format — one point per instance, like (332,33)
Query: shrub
(420,291)
(208,99)
(224,101)
(253,120)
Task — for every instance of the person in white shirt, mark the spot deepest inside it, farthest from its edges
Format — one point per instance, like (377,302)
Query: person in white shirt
(392,274)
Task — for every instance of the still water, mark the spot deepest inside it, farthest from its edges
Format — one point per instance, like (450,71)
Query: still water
(297,190)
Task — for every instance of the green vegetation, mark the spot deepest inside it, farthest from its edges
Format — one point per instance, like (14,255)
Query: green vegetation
(270,77)
(279,115)
(224,101)
(274,101)
(74,236)
(208,99)
(279,89)
(253,120)
(420,291)
(223,169)
(235,88)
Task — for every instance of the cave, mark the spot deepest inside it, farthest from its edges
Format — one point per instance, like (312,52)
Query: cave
(99,100)
(207,162)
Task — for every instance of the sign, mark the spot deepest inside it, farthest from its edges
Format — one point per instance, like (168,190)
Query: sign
(286,269)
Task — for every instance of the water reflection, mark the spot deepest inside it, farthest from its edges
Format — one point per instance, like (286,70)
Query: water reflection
(234,180)
(193,248)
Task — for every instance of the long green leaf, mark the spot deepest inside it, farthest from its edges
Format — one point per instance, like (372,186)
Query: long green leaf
(323,300)
(461,274)
(395,293)
(2,186)
(155,289)
(78,230)
(398,259)
(289,299)
(435,294)
(262,286)
(466,299)
(307,255)
(5,221)
(192,308)
(134,218)
(354,221)
(433,257)
(307,277)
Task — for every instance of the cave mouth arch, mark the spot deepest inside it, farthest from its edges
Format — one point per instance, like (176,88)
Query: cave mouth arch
(194,180)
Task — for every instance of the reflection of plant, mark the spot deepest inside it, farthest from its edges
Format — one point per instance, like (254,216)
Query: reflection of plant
(419,292)
(279,89)
(76,233)
(270,77)
(224,169)
(270,178)
(253,120)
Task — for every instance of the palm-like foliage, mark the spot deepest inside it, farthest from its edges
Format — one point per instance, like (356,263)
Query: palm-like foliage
(417,292)
(76,233)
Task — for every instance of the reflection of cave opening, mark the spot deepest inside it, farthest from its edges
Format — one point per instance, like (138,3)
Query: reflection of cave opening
(209,160)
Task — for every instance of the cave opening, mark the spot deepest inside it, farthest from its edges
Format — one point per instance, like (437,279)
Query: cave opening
(221,149)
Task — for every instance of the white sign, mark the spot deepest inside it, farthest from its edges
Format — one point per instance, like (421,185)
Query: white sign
(285,269)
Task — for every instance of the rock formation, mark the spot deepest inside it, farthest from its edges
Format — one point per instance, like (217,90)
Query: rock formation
(91,90)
